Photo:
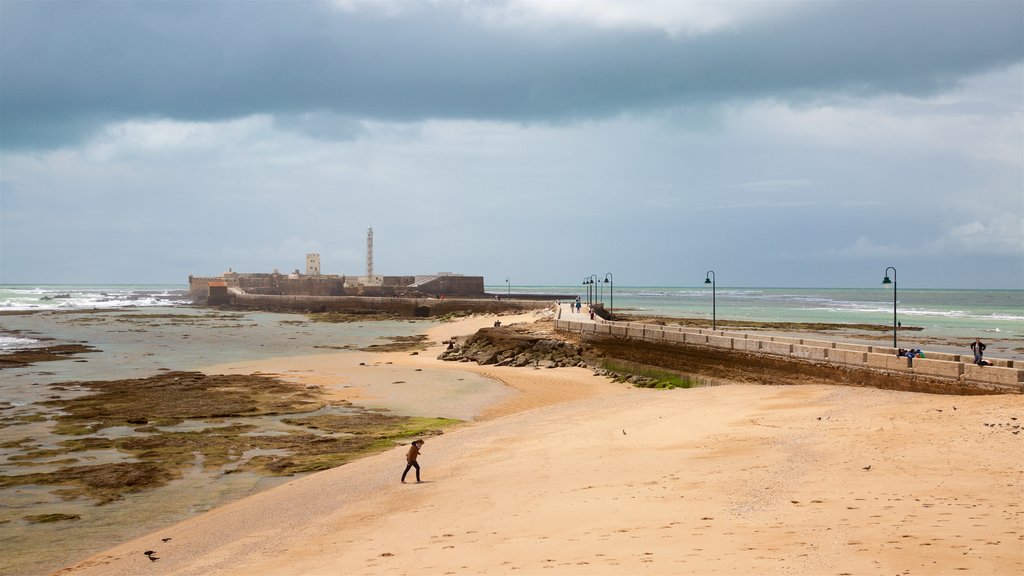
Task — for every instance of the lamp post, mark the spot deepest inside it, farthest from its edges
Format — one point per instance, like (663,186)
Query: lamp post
(508,286)
(886,280)
(593,290)
(610,280)
(586,282)
(710,279)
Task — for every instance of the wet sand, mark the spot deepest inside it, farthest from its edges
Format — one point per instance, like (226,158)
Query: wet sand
(572,474)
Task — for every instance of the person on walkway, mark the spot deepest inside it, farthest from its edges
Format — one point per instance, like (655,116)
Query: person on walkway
(578,306)
(978,348)
(410,459)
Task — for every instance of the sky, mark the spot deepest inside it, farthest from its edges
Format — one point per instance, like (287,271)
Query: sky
(790,144)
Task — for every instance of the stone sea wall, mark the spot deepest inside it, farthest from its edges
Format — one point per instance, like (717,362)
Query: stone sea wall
(742,354)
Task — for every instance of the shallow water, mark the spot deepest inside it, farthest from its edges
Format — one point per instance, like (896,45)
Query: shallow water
(141,342)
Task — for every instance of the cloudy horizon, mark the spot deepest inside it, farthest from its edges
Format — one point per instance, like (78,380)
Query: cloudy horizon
(778,143)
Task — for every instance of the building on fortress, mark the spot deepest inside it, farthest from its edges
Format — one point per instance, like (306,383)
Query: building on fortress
(214,290)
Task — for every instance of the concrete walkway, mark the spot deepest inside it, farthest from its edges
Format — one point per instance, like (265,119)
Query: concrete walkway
(567,311)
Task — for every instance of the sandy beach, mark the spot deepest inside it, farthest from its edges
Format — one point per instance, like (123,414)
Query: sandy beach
(573,474)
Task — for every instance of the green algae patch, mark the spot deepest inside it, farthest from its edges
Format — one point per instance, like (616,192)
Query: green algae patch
(19,443)
(21,358)
(350,436)
(30,463)
(31,418)
(382,425)
(101,482)
(223,443)
(71,429)
(48,518)
(168,398)
(353,316)
(400,344)
(218,446)
(645,376)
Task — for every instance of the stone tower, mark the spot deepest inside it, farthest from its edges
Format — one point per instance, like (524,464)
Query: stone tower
(312,264)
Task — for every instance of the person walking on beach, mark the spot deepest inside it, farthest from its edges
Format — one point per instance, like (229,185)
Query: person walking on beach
(410,459)
(978,348)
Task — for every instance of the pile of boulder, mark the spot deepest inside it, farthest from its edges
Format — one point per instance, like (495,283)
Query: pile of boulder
(506,346)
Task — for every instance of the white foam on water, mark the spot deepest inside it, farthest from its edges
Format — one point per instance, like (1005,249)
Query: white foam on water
(8,343)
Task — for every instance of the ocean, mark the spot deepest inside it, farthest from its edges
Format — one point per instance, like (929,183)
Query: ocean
(950,314)
(940,313)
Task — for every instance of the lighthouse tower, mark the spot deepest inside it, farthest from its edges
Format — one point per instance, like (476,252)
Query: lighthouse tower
(369,253)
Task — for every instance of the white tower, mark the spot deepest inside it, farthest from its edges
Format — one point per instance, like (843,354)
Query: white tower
(369,253)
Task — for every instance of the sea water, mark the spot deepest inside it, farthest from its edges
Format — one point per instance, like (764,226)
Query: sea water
(132,341)
(82,296)
(943,313)
(964,314)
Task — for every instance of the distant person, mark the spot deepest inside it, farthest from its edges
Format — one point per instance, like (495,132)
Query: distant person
(578,306)
(979,349)
(410,459)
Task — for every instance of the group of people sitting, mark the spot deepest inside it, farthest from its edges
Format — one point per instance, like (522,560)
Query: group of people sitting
(977,347)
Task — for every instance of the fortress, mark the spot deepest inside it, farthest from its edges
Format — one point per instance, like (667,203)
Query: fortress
(313,291)
(227,288)
(221,289)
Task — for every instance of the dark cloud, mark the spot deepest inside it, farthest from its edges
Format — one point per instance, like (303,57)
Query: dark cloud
(67,68)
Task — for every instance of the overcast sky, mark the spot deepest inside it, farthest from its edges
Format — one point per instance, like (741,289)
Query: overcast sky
(778,143)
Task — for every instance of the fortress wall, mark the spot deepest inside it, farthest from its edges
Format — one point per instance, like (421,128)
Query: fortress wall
(409,307)
(454,285)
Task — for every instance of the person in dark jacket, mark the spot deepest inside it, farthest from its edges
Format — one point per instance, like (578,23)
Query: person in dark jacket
(410,459)
(978,348)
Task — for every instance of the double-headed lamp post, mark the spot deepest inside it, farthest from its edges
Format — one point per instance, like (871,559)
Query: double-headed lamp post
(886,280)
(610,280)
(586,282)
(710,279)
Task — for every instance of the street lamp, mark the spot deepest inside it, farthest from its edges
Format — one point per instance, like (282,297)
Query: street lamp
(610,280)
(710,279)
(886,280)
(593,291)
(586,282)
(509,286)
